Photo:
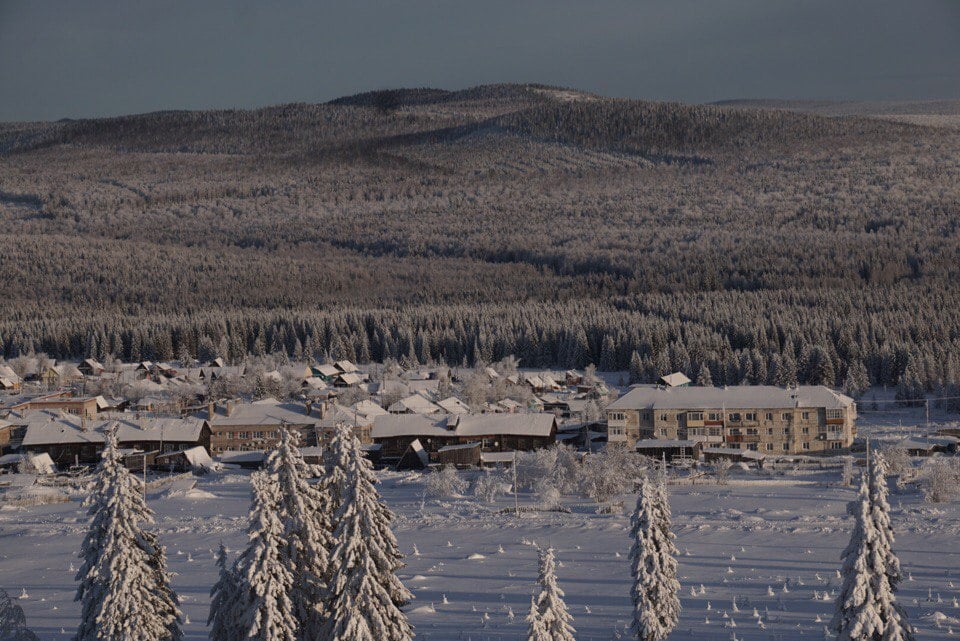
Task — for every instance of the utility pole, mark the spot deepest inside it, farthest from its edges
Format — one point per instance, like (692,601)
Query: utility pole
(927,403)
(516,499)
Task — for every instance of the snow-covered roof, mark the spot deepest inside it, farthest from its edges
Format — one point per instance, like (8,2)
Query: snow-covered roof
(497,457)
(463,425)
(266,412)
(368,408)
(346,366)
(350,378)
(731,398)
(415,403)
(675,380)
(326,370)
(197,457)
(57,428)
(453,405)
(461,446)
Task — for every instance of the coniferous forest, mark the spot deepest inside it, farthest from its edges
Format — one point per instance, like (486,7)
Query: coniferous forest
(734,243)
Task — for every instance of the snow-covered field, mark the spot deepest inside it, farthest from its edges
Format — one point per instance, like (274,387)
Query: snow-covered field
(770,544)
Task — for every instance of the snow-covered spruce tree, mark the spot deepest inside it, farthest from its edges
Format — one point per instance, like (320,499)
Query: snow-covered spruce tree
(13,622)
(365,594)
(866,609)
(655,591)
(880,513)
(124,587)
(265,612)
(549,619)
(224,596)
(336,461)
(307,531)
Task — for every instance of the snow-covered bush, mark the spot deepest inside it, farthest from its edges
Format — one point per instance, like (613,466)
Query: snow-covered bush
(942,479)
(610,472)
(488,486)
(445,483)
(898,460)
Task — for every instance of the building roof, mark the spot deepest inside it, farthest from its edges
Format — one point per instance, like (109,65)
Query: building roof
(463,425)
(346,366)
(663,443)
(675,380)
(453,405)
(60,428)
(415,403)
(732,398)
(266,412)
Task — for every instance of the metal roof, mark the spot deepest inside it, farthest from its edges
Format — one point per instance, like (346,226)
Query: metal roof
(732,398)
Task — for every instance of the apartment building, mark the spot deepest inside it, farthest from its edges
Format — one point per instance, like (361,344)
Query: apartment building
(772,420)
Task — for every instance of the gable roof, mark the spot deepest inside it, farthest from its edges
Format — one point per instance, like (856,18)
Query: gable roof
(266,412)
(463,425)
(675,380)
(59,428)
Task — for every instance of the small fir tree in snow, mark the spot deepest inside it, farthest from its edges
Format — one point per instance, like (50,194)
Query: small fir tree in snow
(655,591)
(365,594)
(224,597)
(124,587)
(307,531)
(13,622)
(549,619)
(866,609)
(265,612)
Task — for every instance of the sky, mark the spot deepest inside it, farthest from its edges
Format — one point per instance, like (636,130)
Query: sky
(70,59)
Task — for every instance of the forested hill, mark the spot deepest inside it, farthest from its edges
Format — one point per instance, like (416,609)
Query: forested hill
(465,224)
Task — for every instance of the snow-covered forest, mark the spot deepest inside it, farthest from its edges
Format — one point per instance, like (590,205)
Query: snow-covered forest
(464,226)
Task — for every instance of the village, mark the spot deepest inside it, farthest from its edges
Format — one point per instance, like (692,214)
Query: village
(182,416)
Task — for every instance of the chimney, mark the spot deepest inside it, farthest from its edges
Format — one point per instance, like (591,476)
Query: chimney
(229,408)
(211,414)
(308,406)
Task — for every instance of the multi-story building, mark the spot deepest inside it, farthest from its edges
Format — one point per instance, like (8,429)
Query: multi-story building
(774,420)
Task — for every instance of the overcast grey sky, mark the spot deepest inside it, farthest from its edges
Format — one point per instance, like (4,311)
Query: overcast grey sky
(70,58)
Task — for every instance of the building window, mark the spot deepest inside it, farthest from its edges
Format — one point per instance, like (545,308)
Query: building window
(769,416)
(769,447)
(836,445)
(769,431)
(713,416)
(694,416)
(751,416)
(735,431)
(735,416)
(786,447)
(834,414)
(752,431)
(617,416)
(806,445)
(664,417)
(806,416)
(663,432)
(806,430)
(786,416)
(752,446)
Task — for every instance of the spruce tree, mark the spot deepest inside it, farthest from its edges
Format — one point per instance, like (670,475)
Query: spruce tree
(866,609)
(303,510)
(655,591)
(880,515)
(365,594)
(265,612)
(124,590)
(549,619)
(224,597)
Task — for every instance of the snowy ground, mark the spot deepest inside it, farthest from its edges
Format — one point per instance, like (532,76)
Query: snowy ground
(477,562)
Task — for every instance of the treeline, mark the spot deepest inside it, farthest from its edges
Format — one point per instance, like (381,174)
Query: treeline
(853,338)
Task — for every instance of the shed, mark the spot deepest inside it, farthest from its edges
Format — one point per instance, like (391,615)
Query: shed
(415,458)
(669,448)
(464,455)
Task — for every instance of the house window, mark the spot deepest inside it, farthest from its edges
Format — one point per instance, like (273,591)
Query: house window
(751,416)
(664,417)
(806,416)
(694,416)
(834,414)
(617,416)
(616,431)
(663,432)
(769,447)
(786,447)
(806,430)
(713,416)
(752,431)
(769,416)
(769,431)
(836,445)
(752,446)
(806,445)
(735,416)
(786,416)
(714,431)
(735,431)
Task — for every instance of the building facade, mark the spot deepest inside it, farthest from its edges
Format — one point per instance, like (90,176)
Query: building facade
(771,420)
